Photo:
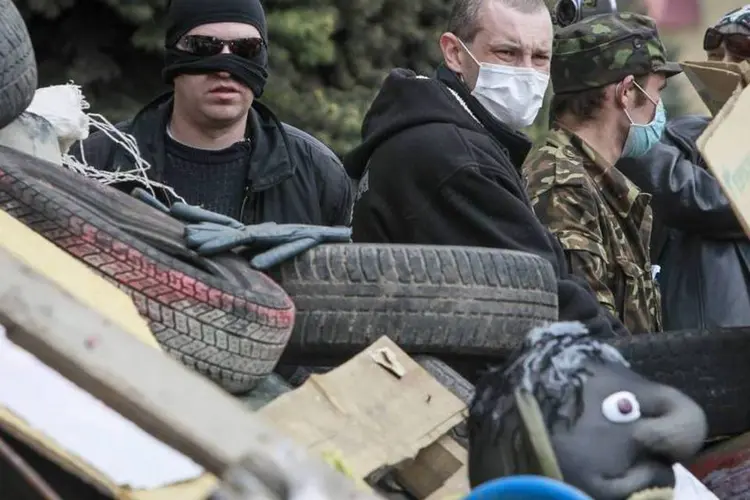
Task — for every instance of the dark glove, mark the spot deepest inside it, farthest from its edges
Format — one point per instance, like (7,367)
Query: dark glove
(210,233)
(184,212)
(276,242)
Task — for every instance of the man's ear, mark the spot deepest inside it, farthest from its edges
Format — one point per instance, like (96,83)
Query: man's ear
(624,92)
(451,47)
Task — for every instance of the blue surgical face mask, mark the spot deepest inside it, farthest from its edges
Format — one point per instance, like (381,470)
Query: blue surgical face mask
(641,138)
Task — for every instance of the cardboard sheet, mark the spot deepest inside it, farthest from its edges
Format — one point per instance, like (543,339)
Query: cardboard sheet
(716,81)
(439,472)
(377,409)
(456,488)
(725,148)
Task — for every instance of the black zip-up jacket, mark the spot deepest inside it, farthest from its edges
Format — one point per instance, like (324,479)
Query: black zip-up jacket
(697,240)
(292,178)
(431,173)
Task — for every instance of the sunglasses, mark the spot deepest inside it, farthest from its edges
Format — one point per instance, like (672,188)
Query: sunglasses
(736,43)
(207,46)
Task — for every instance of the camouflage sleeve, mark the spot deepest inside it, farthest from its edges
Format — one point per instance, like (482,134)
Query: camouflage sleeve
(571,214)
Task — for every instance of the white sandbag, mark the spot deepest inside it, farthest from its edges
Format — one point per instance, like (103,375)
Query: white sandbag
(33,135)
(63,106)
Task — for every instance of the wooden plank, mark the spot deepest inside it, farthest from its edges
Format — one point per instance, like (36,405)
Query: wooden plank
(74,276)
(174,404)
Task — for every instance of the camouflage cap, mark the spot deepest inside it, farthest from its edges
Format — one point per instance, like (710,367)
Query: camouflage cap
(606,48)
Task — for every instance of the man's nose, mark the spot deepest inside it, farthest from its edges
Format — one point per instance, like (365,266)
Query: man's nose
(526,61)
(224,74)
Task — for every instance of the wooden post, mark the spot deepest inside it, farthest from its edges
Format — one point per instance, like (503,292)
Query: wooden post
(167,400)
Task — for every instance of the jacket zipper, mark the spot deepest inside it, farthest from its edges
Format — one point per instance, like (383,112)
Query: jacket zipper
(244,203)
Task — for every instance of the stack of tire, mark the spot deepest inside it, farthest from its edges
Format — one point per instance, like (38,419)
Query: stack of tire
(18,76)
(466,306)
(232,323)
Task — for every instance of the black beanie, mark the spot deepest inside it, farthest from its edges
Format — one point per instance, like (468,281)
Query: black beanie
(184,15)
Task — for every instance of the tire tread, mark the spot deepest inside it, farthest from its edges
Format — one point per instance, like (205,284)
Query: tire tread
(428,299)
(18,71)
(221,330)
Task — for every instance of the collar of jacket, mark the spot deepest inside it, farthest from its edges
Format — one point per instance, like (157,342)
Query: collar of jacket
(621,194)
(270,161)
(516,144)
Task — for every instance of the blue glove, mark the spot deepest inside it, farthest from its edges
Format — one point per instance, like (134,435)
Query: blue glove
(275,242)
(184,212)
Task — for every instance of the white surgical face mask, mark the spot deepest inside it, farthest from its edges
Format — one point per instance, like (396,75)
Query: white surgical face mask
(511,94)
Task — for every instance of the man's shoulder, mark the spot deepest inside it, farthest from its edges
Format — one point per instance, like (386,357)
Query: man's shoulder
(554,165)
(316,158)
(440,146)
(684,131)
(309,145)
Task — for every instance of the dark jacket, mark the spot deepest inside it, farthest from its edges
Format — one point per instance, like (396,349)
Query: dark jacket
(703,252)
(431,173)
(292,177)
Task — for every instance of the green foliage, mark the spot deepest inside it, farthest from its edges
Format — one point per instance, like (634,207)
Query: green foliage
(327,57)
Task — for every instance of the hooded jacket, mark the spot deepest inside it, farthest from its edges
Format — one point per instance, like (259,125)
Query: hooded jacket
(292,177)
(435,168)
(702,250)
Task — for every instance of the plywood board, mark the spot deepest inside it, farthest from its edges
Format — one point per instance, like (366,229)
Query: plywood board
(167,400)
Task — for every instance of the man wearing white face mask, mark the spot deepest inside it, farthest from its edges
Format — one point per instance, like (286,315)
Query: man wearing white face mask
(441,157)
(608,72)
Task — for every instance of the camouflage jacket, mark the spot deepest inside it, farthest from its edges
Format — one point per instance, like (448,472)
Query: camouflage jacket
(602,221)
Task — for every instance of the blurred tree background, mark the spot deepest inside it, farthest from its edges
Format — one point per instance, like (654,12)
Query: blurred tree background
(327,57)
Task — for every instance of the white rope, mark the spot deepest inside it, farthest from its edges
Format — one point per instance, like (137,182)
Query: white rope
(121,139)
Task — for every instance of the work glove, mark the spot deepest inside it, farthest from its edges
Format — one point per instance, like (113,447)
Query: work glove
(209,233)
(275,242)
(184,212)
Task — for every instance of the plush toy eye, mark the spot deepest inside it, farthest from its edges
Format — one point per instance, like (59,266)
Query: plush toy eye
(621,407)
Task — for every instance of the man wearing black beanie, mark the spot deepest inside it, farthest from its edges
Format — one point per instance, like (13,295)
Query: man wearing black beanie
(212,141)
